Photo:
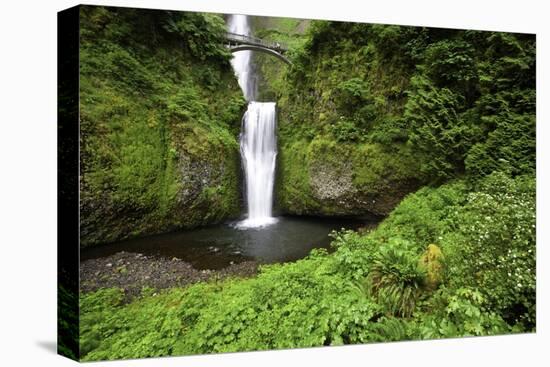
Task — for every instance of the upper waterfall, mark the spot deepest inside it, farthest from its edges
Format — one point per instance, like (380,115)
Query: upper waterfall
(241,61)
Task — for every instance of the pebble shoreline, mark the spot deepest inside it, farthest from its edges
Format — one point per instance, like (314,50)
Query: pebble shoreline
(133,271)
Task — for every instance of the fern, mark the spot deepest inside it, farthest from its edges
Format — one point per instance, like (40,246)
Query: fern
(388,329)
(396,278)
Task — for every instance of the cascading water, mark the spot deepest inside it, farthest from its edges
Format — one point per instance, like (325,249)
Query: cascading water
(258,152)
(258,140)
(238,24)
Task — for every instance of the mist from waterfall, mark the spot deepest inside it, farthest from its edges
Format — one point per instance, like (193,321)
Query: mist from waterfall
(258,138)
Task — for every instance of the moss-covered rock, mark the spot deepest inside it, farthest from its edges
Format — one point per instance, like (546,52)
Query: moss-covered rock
(324,177)
(432,261)
(160,111)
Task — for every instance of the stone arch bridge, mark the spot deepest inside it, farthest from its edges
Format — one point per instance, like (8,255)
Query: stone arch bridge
(241,42)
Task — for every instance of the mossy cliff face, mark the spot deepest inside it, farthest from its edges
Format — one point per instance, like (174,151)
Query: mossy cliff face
(338,98)
(369,113)
(160,116)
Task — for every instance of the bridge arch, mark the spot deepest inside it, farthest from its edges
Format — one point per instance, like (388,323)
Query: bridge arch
(245,47)
(242,42)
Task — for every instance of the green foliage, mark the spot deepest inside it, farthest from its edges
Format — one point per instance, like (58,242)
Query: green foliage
(513,63)
(186,105)
(293,305)
(280,309)
(487,237)
(460,312)
(354,256)
(437,129)
(202,34)
(271,72)
(392,132)
(351,93)
(372,288)
(383,109)
(148,327)
(67,314)
(387,329)
(94,310)
(345,131)
(423,217)
(451,63)
(509,148)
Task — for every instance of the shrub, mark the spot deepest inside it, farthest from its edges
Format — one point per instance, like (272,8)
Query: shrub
(354,253)
(451,63)
(492,247)
(351,94)
(202,34)
(510,147)
(422,217)
(345,131)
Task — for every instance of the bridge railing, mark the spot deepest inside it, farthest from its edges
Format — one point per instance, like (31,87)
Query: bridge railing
(241,38)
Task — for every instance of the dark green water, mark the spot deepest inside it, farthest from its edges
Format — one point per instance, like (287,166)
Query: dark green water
(215,247)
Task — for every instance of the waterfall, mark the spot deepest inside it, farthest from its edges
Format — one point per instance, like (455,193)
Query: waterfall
(258,140)
(258,153)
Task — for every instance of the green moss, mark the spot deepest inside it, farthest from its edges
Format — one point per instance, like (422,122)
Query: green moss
(377,167)
(159,123)
(432,261)
(293,180)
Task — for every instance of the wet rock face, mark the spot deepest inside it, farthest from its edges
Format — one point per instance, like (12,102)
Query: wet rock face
(209,188)
(207,191)
(332,183)
(196,176)
(333,187)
